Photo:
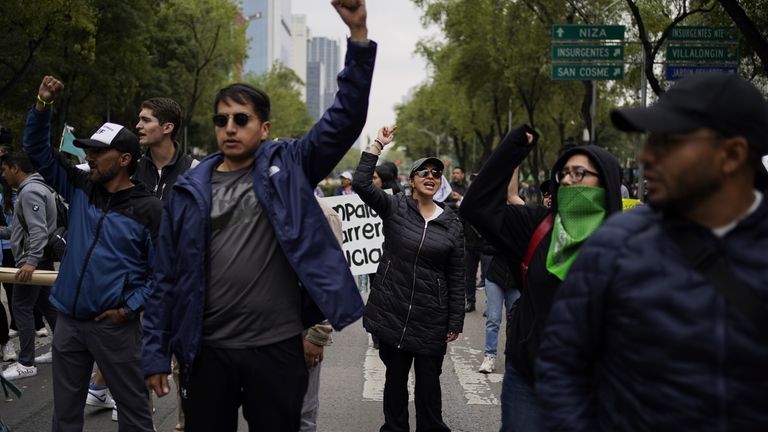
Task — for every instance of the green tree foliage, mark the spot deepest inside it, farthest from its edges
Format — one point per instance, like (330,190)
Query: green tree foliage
(197,50)
(289,114)
(112,55)
(491,64)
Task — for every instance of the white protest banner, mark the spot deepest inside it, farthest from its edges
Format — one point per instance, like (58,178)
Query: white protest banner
(362,232)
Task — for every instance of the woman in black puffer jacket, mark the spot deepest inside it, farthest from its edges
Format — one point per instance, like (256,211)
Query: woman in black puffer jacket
(416,305)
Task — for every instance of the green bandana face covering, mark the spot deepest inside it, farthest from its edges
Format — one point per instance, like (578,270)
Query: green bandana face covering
(580,211)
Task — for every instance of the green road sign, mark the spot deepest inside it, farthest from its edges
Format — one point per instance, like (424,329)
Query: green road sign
(573,32)
(703,54)
(697,33)
(588,52)
(587,72)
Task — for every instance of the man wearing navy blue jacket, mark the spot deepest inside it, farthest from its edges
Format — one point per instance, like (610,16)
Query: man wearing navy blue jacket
(644,335)
(106,273)
(246,259)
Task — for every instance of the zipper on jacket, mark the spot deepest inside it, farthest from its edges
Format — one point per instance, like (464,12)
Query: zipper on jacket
(88,256)
(439,293)
(386,270)
(125,288)
(720,322)
(413,285)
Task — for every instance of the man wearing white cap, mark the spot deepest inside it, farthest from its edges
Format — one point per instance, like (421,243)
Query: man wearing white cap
(346,184)
(105,275)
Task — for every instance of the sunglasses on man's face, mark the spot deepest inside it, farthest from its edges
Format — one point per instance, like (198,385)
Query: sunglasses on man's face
(221,120)
(436,173)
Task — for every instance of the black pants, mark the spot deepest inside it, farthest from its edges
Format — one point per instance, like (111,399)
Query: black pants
(116,347)
(27,298)
(428,396)
(8,261)
(471,259)
(269,382)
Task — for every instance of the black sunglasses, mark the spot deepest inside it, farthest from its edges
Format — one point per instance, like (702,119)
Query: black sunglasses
(436,173)
(221,120)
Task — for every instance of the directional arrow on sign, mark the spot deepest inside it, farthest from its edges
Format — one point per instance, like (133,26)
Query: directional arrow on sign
(617,52)
(560,32)
(616,71)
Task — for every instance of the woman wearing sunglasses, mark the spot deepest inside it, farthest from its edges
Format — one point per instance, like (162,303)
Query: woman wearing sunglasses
(416,305)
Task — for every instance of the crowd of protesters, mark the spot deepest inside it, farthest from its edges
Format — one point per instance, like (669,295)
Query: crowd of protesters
(228,274)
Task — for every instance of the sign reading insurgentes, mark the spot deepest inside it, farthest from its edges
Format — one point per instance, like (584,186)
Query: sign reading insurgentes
(698,33)
(588,52)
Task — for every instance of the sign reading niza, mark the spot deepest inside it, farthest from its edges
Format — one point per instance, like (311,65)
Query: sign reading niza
(572,32)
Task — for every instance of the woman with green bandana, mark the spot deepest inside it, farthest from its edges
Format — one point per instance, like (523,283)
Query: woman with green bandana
(585,185)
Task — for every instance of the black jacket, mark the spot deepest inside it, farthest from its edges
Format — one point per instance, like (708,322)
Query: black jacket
(146,172)
(510,227)
(418,293)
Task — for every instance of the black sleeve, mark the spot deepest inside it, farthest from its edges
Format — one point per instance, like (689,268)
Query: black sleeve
(507,227)
(362,184)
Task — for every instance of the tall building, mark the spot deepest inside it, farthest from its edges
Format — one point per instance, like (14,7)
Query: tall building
(299,38)
(315,88)
(269,33)
(325,52)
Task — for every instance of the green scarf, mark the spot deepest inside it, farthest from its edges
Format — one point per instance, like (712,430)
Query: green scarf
(580,211)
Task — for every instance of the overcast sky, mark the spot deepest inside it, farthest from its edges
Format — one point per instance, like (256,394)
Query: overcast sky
(395,26)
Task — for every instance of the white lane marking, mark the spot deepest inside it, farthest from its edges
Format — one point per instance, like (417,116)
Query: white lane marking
(374,375)
(476,385)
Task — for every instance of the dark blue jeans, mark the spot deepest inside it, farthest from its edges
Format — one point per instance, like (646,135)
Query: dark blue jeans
(520,410)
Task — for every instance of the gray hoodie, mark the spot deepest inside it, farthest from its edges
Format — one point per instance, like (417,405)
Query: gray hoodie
(37,203)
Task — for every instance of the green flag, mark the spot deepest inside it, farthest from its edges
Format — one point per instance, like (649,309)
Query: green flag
(9,386)
(68,143)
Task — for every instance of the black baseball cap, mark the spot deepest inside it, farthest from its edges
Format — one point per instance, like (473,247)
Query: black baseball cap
(113,135)
(423,161)
(726,103)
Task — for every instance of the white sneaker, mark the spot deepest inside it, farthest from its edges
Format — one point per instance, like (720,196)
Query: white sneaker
(12,334)
(489,365)
(99,398)
(43,332)
(9,353)
(18,370)
(44,358)
(114,413)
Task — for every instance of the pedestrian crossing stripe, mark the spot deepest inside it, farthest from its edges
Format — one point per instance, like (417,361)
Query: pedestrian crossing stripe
(466,361)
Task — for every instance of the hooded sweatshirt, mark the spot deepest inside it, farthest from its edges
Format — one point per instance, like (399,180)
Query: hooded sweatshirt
(510,228)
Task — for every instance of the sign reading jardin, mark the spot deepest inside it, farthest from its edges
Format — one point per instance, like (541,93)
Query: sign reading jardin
(587,72)
(697,53)
(677,72)
(588,52)
(696,33)
(573,32)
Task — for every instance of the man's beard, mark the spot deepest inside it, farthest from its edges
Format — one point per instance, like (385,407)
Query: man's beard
(102,177)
